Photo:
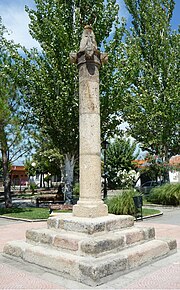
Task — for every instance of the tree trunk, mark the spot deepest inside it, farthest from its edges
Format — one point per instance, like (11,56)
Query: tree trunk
(41,180)
(166,160)
(6,179)
(68,177)
(5,167)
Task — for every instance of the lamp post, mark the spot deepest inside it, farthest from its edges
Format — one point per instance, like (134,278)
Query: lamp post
(105,145)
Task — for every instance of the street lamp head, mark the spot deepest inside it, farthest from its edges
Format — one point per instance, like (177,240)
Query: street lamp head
(105,144)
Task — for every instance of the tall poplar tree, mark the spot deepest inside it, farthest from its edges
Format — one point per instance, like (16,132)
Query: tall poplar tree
(150,75)
(58,26)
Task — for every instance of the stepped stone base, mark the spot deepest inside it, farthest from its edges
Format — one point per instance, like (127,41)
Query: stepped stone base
(91,251)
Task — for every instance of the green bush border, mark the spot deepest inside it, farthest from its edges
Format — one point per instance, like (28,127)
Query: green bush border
(168,194)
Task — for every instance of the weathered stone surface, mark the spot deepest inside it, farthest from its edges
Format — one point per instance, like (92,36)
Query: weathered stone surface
(119,222)
(90,210)
(86,243)
(88,59)
(89,95)
(15,248)
(85,227)
(102,245)
(115,241)
(146,253)
(90,196)
(52,259)
(44,236)
(53,221)
(66,242)
(149,233)
(89,226)
(134,235)
(172,244)
(90,270)
(88,144)
(95,273)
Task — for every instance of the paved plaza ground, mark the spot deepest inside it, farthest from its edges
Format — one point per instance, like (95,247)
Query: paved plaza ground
(163,274)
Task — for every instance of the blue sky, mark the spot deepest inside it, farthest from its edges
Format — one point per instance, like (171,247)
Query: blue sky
(16,19)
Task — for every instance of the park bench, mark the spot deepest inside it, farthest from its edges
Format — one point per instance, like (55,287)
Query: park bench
(60,207)
(49,198)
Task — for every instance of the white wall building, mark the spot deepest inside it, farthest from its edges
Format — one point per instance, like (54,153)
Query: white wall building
(174,175)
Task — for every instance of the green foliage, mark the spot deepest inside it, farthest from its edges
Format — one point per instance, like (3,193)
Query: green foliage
(53,81)
(15,116)
(150,76)
(149,211)
(111,89)
(155,168)
(168,194)
(120,155)
(45,159)
(33,187)
(58,26)
(1,169)
(76,189)
(31,170)
(122,203)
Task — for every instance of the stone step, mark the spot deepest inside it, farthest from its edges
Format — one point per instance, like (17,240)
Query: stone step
(82,244)
(90,226)
(90,270)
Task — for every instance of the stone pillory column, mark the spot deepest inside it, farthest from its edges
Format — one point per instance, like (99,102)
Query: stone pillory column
(89,60)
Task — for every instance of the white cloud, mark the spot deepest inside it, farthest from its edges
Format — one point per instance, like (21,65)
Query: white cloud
(16,20)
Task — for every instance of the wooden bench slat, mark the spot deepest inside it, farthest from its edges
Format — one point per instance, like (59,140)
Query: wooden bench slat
(60,207)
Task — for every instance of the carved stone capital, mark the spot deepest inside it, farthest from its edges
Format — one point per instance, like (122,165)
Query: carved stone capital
(94,59)
(88,52)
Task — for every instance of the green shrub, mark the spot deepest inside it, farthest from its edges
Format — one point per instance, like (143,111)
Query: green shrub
(33,187)
(76,189)
(168,194)
(122,203)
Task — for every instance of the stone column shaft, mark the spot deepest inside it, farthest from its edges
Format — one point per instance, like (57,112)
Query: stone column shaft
(88,60)
(89,132)
(90,203)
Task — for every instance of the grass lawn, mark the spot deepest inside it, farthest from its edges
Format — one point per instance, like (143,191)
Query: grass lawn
(26,213)
(150,211)
(43,213)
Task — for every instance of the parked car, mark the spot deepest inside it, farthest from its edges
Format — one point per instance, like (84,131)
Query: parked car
(146,187)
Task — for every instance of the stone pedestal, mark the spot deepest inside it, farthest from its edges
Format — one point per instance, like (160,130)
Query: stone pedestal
(91,251)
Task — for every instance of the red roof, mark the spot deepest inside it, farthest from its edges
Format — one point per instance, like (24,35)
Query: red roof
(174,160)
(17,168)
(139,163)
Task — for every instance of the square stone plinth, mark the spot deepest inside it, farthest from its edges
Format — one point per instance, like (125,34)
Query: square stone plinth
(91,251)
(71,223)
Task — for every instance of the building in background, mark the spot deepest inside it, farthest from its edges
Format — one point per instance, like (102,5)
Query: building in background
(174,173)
(19,176)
